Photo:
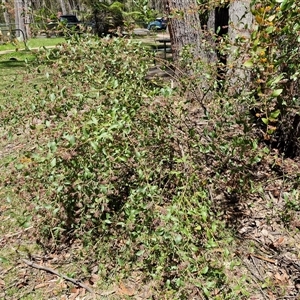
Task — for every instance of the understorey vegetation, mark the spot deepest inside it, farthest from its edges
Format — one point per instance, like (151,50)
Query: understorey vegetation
(156,176)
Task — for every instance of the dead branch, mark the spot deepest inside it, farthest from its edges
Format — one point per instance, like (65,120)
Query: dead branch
(272,261)
(49,270)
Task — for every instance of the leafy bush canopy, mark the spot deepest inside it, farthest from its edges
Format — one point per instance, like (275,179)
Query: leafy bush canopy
(275,58)
(121,162)
(150,172)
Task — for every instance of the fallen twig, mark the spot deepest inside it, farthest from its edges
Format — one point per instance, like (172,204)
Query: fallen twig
(272,261)
(49,270)
(251,269)
(257,269)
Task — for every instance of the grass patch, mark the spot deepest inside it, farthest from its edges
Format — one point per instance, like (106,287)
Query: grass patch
(13,82)
(17,56)
(12,70)
(33,43)
(44,42)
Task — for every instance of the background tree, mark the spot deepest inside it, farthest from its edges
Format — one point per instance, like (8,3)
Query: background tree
(4,8)
(185,27)
(19,15)
(106,15)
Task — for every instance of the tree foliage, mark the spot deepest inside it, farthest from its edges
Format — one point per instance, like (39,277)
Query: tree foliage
(275,58)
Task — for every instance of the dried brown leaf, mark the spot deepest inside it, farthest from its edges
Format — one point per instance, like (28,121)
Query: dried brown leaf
(82,292)
(2,282)
(281,278)
(93,279)
(74,293)
(271,296)
(74,290)
(41,285)
(280,240)
(123,290)
(95,269)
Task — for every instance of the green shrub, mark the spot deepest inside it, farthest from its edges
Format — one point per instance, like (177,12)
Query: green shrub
(120,165)
(148,173)
(275,58)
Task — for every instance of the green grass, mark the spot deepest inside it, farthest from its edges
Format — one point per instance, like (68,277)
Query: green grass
(12,65)
(12,72)
(33,43)
(44,42)
(11,58)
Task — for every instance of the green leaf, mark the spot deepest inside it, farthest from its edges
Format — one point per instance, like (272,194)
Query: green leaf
(275,114)
(26,225)
(19,166)
(94,145)
(211,244)
(140,253)
(53,162)
(270,29)
(52,146)
(198,228)
(70,139)
(178,238)
(206,292)
(3,259)
(248,63)
(214,227)
(274,81)
(204,270)
(52,97)
(276,93)
(265,120)
(286,4)
(204,215)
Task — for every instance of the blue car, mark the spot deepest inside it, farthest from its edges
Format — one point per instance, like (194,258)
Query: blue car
(158,24)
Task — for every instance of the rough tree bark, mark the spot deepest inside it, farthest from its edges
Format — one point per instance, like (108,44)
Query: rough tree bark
(240,24)
(19,17)
(185,27)
(5,13)
(63,7)
(26,17)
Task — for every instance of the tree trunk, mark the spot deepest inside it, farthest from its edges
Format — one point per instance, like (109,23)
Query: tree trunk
(27,20)
(240,24)
(156,5)
(63,7)
(185,27)
(19,19)
(5,13)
